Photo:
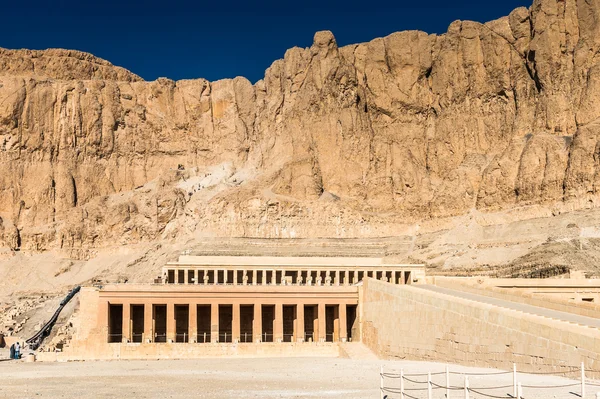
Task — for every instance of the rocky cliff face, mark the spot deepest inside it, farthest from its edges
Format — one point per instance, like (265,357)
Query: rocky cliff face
(361,140)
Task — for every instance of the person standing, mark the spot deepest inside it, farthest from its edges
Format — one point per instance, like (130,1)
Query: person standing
(17,350)
(12,351)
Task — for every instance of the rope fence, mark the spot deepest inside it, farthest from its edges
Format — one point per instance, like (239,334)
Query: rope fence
(408,387)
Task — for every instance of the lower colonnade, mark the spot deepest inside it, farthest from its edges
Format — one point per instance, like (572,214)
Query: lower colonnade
(176,322)
(226,314)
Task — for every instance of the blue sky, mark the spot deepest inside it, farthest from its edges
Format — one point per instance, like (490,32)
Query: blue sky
(220,39)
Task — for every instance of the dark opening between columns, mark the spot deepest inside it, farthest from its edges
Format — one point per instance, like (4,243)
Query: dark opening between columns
(225,323)
(351,321)
(310,322)
(246,322)
(203,324)
(182,323)
(289,318)
(268,319)
(115,323)
(137,323)
(159,314)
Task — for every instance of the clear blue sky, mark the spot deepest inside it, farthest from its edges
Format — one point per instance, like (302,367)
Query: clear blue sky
(220,39)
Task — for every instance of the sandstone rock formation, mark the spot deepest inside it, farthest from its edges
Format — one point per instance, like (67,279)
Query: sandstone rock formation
(361,140)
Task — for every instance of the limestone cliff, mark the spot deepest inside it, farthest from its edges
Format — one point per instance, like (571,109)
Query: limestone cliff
(362,140)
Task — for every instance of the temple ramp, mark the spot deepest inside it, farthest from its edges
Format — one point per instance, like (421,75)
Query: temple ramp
(356,351)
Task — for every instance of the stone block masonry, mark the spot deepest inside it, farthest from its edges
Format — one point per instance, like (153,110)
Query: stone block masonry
(411,323)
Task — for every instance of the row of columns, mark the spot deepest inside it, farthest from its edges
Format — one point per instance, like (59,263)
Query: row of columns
(299,334)
(280,277)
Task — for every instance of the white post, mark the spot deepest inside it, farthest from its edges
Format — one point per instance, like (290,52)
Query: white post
(519,391)
(429,390)
(447,382)
(514,380)
(466,387)
(381,382)
(582,380)
(401,383)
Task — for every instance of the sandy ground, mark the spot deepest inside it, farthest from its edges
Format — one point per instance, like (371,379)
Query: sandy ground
(248,378)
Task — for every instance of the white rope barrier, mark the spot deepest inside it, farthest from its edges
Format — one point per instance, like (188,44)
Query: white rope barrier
(428,385)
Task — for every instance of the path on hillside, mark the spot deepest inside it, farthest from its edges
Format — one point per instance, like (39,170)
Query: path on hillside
(521,307)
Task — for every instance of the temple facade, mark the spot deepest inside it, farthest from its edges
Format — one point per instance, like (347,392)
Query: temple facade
(236,301)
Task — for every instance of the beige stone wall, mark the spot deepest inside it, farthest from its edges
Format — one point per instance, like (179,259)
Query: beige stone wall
(411,323)
(93,350)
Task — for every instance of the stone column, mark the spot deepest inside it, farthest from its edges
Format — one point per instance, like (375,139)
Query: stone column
(401,277)
(235,323)
(126,322)
(347,277)
(299,330)
(336,324)
(257,324)
(309,278)
(355,277)
(235,277)
(193,323)
(225,272)
(214,322)
(264,277)
(186,273)
(336,281)
(274,277)
(254,277)
(343,323)
(148,323)
(322,329)
(278,323)
(171,322)
(394,281)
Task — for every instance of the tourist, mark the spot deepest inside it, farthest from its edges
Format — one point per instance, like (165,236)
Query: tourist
(12,351)
(17,350)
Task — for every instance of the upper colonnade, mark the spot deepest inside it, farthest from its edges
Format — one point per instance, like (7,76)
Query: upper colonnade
(276,270)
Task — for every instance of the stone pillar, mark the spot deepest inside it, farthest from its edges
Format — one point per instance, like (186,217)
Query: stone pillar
(278,323)
(214,322)
(401,277)
(355,277)
(225,272)
(309,280)
(171,322)
(257,324)
(394,281)
(205,282)
(148,323)
(193,323)
(343,323)
(336,281)
(235,323)
(126,322)
(336,324)
(299,327)
(274,277)
(235,277)
(322,328)
(186,273)
(264,277)
(347,277)
(254,277)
